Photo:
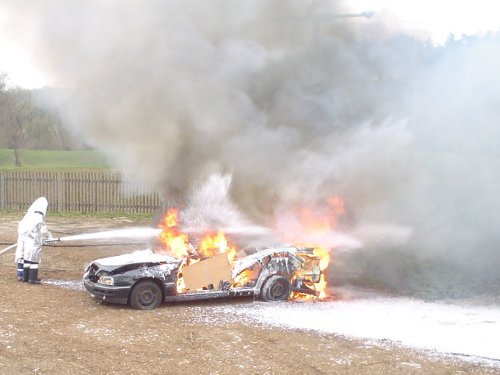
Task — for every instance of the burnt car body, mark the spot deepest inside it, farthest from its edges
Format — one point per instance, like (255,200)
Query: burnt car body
(144,280)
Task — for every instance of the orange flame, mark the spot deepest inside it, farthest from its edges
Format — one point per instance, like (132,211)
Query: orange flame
(178,244)
(313,222)
(171,218)
(322,219)
(324,256)
(244,277)
(174,242)
(216,244)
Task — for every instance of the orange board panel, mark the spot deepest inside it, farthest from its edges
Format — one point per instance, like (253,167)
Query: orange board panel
(209,271)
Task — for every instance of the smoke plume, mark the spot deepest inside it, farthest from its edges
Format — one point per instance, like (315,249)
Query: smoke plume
(298,104)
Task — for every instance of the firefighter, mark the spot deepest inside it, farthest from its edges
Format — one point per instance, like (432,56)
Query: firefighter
(32,232)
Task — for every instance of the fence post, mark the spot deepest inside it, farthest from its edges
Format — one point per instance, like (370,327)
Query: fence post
(59,190)
(2,191)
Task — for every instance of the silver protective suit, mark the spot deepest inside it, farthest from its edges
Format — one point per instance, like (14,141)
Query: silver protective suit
(32,231)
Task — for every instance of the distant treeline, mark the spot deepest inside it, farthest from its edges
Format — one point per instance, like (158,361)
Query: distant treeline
(26,123)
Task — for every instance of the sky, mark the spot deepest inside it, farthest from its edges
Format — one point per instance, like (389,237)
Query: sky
(16,62)
(436,20)
(427,19)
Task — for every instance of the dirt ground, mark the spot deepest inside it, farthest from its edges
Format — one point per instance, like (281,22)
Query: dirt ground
(56,329)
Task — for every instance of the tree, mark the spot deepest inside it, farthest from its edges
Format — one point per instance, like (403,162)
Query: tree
(29,119)
(47,129)
(16,111)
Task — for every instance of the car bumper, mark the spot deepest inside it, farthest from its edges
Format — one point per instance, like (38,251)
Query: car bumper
(108,293)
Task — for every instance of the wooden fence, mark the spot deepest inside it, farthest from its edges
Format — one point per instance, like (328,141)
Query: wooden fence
(101,191)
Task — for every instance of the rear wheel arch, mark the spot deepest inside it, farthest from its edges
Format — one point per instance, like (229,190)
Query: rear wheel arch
(276,288)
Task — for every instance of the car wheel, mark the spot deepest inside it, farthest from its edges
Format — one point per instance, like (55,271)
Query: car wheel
(276,288)
(145,295)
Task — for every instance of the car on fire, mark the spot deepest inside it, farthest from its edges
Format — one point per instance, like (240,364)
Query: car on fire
(144,279)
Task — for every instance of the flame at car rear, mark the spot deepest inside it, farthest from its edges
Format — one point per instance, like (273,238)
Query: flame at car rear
(314,226)
(321,219)
(324,256)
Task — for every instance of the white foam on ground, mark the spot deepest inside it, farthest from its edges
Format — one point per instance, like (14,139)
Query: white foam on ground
(76,285)
(445,328)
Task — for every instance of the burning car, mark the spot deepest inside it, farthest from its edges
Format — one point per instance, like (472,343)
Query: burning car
(145,279)
(201,267)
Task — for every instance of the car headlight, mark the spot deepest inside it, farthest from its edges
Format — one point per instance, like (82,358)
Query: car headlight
(106,280)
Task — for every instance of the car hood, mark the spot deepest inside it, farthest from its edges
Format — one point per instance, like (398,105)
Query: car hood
(137,257)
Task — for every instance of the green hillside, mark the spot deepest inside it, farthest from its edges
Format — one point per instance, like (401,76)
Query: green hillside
(51,159)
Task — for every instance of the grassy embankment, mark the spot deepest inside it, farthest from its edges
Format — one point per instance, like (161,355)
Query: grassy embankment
(53,160)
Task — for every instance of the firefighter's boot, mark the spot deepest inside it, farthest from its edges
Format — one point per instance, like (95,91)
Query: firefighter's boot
(19,271)
(33,278)
(26,271)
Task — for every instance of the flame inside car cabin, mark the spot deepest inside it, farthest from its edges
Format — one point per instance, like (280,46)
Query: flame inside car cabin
(174,242)
(178,245)
(211,245)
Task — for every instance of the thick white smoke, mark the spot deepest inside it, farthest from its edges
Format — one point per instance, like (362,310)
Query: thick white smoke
(298,105)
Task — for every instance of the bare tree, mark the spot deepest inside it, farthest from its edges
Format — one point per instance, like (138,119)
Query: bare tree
(28,122)
(17,113)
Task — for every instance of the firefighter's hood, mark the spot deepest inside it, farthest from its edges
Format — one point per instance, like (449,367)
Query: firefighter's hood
(40,205)
(33,216)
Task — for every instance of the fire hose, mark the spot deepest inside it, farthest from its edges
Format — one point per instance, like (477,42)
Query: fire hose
(8,248)
(50,241)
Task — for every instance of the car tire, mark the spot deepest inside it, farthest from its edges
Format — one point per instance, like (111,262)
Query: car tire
(146,295)
(276,288)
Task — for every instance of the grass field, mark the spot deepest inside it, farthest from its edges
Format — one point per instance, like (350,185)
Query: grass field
(51,159)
